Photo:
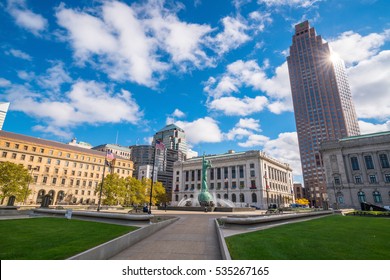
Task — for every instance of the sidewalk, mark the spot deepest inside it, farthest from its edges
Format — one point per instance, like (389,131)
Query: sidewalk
(192,237)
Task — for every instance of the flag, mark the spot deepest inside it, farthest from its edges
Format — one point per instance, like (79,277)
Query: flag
(159,145)
(110,156)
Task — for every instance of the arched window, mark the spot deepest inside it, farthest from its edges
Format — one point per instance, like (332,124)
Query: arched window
(242,197)
(234,198)
(185,196)
(60,196)
(191,196)
(177,197)
(40,196)
(254,198)
(225,196)
(219,196)
(362,197)
(377,197)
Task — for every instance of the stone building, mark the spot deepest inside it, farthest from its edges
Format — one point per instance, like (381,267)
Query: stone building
(246,178)
(68,174)
(358,170)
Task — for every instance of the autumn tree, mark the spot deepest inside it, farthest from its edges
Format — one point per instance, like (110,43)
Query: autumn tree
(14,181)
(135,191)
(302,201)
(113,189)
(158,195)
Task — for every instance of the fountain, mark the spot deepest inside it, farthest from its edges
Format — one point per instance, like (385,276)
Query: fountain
(204,200)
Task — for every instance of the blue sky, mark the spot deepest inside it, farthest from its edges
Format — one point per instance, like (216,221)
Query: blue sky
(96,70)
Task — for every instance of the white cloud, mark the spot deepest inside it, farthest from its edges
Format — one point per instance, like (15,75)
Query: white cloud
(233,35)
(4,82)
(179,114)
(241,74)
(292,3)
(19,54)
(254,140)
(244,128)
(60,112)
(370,86)
(364,46)
(54,77)
(233,106)
(25,18)
(201,130)
(367,127)
(285,149)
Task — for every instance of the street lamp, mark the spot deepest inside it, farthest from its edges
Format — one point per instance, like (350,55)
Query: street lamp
(28,185)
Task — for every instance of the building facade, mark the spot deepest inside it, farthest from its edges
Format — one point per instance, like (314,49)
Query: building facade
(322,102)
(3,113)
(358,170)
(117,150)
(299,191)
(173,137)
(246,178)
(68,174)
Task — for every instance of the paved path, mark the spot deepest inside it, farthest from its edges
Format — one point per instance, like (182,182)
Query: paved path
(192,237)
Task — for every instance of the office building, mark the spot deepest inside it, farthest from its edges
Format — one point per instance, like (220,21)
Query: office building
(68,174)
(322,102)
(117,150)
(173,137)
(246,178)
(3,113)
(357,170)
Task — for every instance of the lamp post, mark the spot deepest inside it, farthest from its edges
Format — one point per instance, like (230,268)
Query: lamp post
(335,196)
(28,185)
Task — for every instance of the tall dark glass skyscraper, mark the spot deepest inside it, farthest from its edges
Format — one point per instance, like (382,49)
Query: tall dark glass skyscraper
(322,104)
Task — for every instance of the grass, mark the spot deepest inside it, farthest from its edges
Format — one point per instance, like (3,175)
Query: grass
(329,238)
(53,238)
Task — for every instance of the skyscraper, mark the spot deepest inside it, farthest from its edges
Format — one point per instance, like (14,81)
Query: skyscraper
(322,103)
(3,112)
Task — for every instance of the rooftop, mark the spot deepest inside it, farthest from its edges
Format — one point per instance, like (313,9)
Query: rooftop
(377,134)
(170,127)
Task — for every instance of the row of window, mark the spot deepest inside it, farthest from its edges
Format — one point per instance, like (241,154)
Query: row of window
(51,152)
(369,162)
(64,181)
(372,179)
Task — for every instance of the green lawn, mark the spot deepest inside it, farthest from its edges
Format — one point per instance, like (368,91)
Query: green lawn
(333,237)
(53,238)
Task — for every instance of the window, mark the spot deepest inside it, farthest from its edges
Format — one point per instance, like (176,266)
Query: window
(63,182)
(384,161)
(31,158)
(44,180)
(377,197)
(4,154)
(253,184)
(225,172)
(212,174)
(254,198)
(369,162)
(253,173)
(242,197)
(48,160)
(39,159)
(56,170)
(355,163)
(16,146)
(252,165)
(358,180)
(242,184)
(234,185)
(218,185)
(59,153)
(233,172)
(211,186)
(7,144)
(372,179)
(13,156)
(192,175)
(187,176)
(361,196)
(54,180)
(23,157)
(25,148)
(241,171)
(340,198)
(387,178)
(199,174)
(337,180)
(218,173)
(58,162)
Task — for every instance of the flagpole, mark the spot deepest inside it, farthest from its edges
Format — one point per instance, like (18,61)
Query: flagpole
(151,185)
(101,185)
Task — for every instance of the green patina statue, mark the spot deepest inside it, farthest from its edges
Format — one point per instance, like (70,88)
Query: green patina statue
(205,198)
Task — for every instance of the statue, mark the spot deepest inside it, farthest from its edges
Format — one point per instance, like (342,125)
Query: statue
(205,198)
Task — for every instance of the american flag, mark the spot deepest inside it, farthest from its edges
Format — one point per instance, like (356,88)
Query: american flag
(160,145)
(110,156)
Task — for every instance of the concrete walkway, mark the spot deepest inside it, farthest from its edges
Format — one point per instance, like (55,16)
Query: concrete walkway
(192,237)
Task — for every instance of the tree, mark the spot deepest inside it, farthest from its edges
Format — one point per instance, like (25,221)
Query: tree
(14,181)
(302,201)
(113,189)
(135,191)
(158,195)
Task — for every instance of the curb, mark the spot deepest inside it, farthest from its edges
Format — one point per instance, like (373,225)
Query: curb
(115,246)
(222,243)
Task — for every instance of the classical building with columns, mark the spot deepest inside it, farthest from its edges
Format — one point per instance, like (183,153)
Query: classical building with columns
(246,178)
(357,170)
(68,174)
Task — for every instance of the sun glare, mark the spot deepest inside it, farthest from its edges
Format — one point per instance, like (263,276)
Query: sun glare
(334,57)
